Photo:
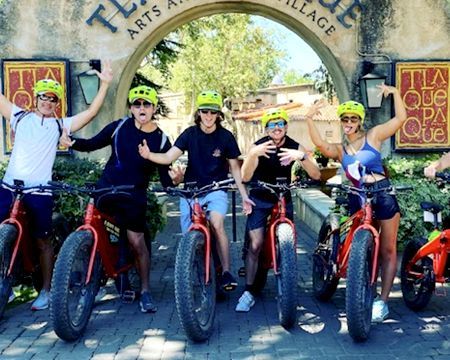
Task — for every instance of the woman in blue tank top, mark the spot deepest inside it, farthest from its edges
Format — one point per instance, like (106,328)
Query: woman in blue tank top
(363,148)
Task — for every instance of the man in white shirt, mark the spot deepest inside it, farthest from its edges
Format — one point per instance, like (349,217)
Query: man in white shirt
(36,137)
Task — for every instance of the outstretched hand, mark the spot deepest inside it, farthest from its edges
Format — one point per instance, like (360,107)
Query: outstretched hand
(385,90)
(176,173)
(107,74)
(264,149)
(144,150)
(430,171)
(314,109)
(247,205)
(65,140)
(289,155)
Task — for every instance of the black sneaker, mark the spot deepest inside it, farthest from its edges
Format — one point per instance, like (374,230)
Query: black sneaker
(146,303)
(228,282)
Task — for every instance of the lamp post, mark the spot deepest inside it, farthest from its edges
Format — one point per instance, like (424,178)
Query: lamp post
(369,90)
(89,81)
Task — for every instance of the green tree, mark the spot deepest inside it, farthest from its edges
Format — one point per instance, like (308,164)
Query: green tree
(293,77)
(323,82)
(224,52)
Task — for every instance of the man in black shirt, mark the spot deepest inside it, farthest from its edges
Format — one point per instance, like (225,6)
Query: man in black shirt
(271,157)
(212,153)
(126,167)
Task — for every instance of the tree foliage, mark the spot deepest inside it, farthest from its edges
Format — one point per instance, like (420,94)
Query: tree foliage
(223,52)
(293,77)
(323,82)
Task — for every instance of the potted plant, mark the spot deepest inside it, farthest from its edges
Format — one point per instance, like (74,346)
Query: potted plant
(320,158)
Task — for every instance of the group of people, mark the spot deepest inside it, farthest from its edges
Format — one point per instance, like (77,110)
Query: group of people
(139,147)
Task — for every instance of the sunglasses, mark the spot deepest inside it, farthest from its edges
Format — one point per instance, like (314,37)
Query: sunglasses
(350,119)
(272,125)
(52,99)
(145,104)
(206,111)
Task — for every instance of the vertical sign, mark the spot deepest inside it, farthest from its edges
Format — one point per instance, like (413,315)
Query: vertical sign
(19,77)
(424,88)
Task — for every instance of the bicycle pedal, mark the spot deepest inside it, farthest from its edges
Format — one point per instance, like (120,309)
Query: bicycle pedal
(128,296)
(441,292)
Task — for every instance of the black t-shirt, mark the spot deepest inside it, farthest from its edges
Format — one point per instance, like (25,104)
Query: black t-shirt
(269,169)
(207,154)
(125,166)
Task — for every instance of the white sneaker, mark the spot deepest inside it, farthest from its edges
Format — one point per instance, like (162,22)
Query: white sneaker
(100,294)
(42,301)
(245,303)
(380,311)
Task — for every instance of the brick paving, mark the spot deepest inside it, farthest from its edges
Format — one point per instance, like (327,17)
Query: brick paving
(121,331)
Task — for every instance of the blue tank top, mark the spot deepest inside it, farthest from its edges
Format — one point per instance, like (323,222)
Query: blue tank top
(367,156)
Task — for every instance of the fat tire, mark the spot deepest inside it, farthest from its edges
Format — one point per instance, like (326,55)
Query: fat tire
(68,279)
(324,284)
(287,277)
(8,235)
(190,287)
(417,292)
(359,293)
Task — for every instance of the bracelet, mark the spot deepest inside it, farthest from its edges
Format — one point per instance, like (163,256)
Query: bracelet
(304,157)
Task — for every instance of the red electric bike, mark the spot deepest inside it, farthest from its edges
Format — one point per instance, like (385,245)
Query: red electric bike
(196,264)
(19,261)
(347,247)
(426,261)
(93,253)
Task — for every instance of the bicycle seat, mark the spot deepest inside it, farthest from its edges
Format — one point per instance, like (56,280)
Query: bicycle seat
(431,207)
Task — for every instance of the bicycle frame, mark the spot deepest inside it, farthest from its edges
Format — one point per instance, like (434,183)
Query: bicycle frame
(94,221)
(18,217)
(438,247)
(277,216)
(362,219)
(200,223)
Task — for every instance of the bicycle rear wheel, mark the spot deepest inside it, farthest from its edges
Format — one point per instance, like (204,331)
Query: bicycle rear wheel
(360,293)
(195,300)
(8,234)
(287,277)
(418,284)
(323,280)
(71,298)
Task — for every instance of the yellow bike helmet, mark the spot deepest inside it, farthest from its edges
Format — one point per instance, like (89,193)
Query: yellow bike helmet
(143,92)
(352,107)
(274,114)
(48,86)
(211,100)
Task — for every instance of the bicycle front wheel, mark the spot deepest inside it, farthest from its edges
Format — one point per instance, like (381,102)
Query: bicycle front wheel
(287,277)
(360,293)
(195,300)
(71,298)
(8,234)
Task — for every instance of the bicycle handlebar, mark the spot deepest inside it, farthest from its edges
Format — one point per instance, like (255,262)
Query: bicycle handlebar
(20,188)
(90,190)
(194,192)
(281,186)
(444,176)
(355,190)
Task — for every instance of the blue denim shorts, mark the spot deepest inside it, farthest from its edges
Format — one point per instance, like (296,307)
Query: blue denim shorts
(216,201)
(384,205)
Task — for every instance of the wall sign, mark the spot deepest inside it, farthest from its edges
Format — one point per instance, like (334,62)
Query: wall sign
(424,87)
(19,77)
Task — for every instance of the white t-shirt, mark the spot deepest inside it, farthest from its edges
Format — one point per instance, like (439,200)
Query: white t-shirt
(34,149)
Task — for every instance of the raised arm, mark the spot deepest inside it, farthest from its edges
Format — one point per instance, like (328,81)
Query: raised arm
(383,131)
(83,118)
(159,158)
(329,150)
(5,107)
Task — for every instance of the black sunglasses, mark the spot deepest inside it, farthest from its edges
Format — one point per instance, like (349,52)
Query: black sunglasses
(52,99)
(138,104)
(205,111)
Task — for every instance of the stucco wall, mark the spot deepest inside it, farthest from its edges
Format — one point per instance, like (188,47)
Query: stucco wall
(386,30)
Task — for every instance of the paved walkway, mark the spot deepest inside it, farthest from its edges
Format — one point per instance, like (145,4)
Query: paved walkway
(121,331)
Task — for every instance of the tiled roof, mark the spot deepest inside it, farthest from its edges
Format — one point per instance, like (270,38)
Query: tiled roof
(296,112)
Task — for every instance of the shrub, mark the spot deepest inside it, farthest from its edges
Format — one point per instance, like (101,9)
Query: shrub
(409,171)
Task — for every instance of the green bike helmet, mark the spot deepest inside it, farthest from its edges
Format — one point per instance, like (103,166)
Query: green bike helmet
(352,107)
(48,86)
(211,100)
(143,92)
(274,114)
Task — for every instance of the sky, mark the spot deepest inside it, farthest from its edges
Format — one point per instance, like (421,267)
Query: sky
(301,57)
